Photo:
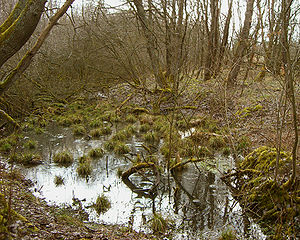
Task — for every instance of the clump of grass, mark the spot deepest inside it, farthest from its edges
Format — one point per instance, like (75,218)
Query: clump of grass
(84,169)
(130,130)
(106,130)
(39,130)
(30,144)
(5,147)
(158,223)
(228,235)
(119,136)
(203,151)
(130,118)
(121,148)
(151,137)
(14,158)
(95,123)
(65,121)
(96,133)
(102,204)
(76,119)
(145,128)
(243,145)
(30,159)
(109,145)
(59,180)
(226,151)
(63,158)
(96,153)
(146,119)
(119,172)
(79,130)
(216,142)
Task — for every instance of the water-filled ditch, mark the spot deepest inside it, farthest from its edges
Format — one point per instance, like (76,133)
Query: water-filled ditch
(199,206)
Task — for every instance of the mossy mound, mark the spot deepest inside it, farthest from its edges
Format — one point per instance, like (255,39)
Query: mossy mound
(274,204)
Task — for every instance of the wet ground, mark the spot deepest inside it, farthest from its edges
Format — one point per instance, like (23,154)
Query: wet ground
(199,207)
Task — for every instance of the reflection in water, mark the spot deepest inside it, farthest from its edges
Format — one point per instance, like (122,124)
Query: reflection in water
(197,200)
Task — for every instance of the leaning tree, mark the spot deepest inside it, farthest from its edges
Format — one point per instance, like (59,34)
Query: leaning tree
(15,32)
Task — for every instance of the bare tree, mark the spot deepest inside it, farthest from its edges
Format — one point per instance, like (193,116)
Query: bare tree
(242,45)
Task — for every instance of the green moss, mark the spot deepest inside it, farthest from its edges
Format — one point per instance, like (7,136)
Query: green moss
(65,121)
(268,201)
(102,204)
(95,123)
(63,158)
(96,153)
(129,131)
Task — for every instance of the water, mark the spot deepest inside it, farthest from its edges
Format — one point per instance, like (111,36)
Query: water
(200,206)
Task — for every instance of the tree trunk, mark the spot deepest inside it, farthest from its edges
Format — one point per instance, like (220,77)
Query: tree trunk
(288,77)
(152,47)
(19,26)
(26,60)
(242,45)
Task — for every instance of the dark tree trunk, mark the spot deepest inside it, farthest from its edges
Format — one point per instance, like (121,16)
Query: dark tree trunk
(18,28)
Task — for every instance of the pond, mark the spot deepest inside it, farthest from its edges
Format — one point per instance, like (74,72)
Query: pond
(197,203)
